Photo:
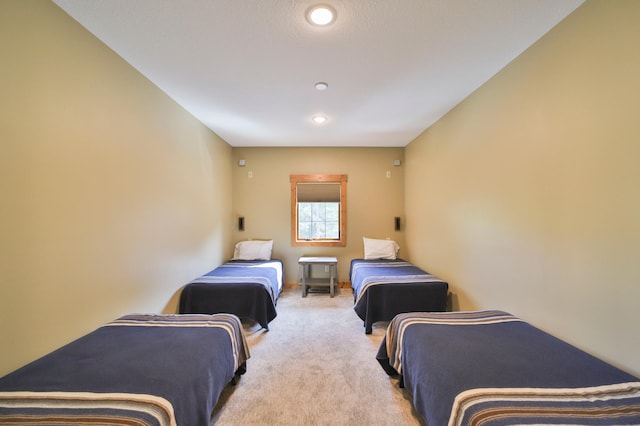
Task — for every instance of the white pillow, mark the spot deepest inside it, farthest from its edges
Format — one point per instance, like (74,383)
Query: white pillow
(253,250)
(380,249)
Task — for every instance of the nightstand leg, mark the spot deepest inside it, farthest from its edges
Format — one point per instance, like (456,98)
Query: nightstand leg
(333,280)
(305,270)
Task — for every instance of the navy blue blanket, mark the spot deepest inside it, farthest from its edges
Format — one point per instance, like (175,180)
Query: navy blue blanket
(384,288)
(491,368)
(139,369)
(246,288)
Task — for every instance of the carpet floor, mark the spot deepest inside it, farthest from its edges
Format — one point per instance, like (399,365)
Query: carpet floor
(315,367)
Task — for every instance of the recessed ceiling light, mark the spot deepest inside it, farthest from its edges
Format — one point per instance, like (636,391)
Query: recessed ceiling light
(319,119)
(321,15)
(321,85)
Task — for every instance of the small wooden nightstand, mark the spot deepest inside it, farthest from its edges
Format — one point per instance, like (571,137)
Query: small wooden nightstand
(306,264)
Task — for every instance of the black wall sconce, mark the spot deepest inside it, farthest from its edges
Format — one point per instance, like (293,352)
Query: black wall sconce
(396,223)
(241,223)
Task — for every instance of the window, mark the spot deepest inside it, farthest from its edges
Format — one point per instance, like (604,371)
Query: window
(318,210)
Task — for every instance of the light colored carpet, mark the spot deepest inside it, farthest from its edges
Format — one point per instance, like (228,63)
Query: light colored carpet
(315,367)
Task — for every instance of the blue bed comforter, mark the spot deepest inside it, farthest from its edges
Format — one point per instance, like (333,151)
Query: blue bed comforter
(138,369)
(490,368)
(248,289)
(384,288)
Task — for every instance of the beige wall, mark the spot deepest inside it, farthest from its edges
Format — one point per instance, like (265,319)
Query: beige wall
(526,196)
(112,195)
(373,200)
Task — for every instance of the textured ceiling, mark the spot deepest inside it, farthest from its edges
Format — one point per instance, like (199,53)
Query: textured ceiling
(247,68)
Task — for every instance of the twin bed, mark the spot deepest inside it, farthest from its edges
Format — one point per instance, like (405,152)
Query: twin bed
(490,368)
(153,369)
(139,369)
(384,285)
(247,286)
(483,368)
(384,288)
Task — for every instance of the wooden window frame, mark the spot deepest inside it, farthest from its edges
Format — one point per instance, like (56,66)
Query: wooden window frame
(319,178)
